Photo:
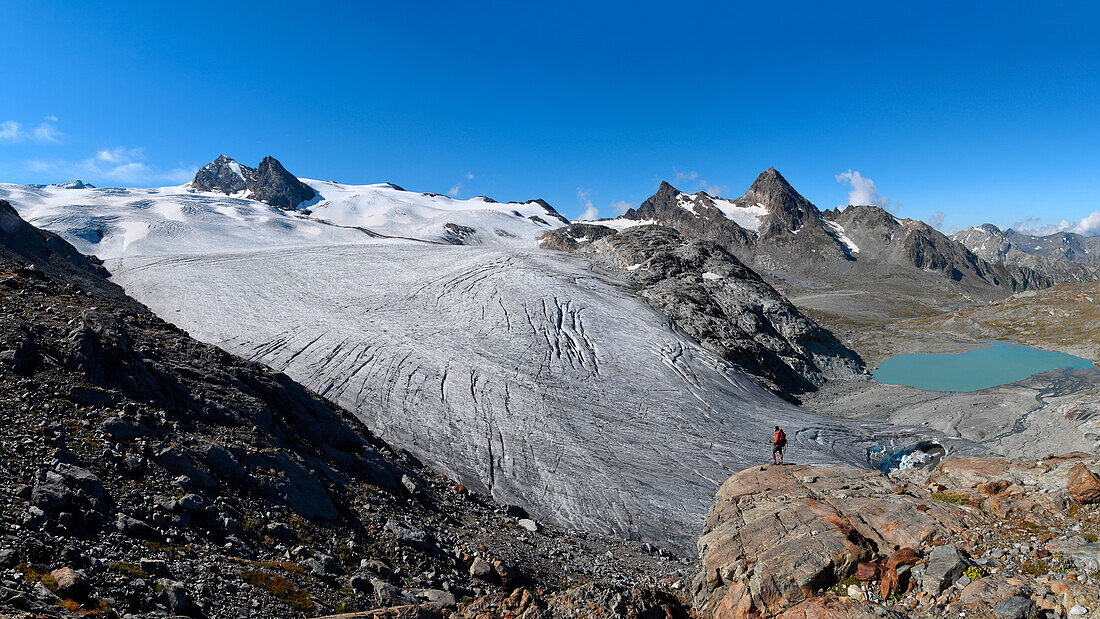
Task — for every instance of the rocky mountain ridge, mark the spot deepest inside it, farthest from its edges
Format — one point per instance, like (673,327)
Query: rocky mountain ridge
(780,233)
(269,182)
(715,298)
(1062,257)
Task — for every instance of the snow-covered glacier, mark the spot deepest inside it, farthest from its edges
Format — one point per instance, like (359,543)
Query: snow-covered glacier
(519,371)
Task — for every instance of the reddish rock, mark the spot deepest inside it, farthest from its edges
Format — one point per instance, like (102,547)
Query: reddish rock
(70,584)
(1083,484)
(889,583)
(829,606)
(994,487)
(866,571)
(970,471)
(902,556)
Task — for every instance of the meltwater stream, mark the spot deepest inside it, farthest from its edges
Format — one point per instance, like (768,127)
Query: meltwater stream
(998,363)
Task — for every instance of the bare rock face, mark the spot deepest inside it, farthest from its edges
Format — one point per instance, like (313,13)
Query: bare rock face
(713,297)
(1083,484)
(794,229)
(269,182)
(971,535)
(778,534)
(278,187)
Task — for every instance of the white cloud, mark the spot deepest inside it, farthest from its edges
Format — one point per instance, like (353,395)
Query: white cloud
(936,221)
(590,210)
(1089,226)
(10,130)
(864,191)
(469,176)
(114,165)
(453,191)
(713,190)
(620,206)
(46,132)
(701,184)
(50,117)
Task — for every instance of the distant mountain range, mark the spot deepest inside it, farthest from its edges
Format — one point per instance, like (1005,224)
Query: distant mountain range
(1062,256)
(778,232)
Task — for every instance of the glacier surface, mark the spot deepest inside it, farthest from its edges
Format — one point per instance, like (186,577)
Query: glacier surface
(520,372)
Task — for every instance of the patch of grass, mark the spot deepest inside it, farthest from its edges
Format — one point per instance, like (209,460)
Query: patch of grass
(279,587)
(293,568)
(130,569)
(34,576)
(951,497)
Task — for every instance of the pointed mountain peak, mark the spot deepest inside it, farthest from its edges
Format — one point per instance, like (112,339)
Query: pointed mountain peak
(666,189)
(990,228)
(276,186)
(223,175)
(776,194)
(771,181)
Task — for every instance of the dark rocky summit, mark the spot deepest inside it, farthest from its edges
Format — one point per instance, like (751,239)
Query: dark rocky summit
(794,232)
(277,187)
(713,297)
(695,215)
(148,474)
(269,182)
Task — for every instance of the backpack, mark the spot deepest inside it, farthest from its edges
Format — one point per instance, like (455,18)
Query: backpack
(781,439)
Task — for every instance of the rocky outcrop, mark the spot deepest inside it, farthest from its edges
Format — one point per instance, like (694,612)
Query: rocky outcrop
(793,235)
(223,175)
(1083,484)
(269,182)
(713,297)
(970,535)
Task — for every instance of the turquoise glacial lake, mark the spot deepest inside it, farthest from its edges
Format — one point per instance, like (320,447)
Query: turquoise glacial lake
(1000,363)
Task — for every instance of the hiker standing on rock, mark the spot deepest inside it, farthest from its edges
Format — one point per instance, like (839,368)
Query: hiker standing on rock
(779,444)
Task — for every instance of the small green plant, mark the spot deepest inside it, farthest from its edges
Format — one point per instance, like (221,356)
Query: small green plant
(951,497)
(33,576)
(130,569)
(976,573)
(841,588)
(279,587)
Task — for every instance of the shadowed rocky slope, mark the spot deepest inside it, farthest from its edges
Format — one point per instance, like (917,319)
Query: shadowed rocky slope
(147,473)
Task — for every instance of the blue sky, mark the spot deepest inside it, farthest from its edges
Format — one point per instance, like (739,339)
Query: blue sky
(973,111)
